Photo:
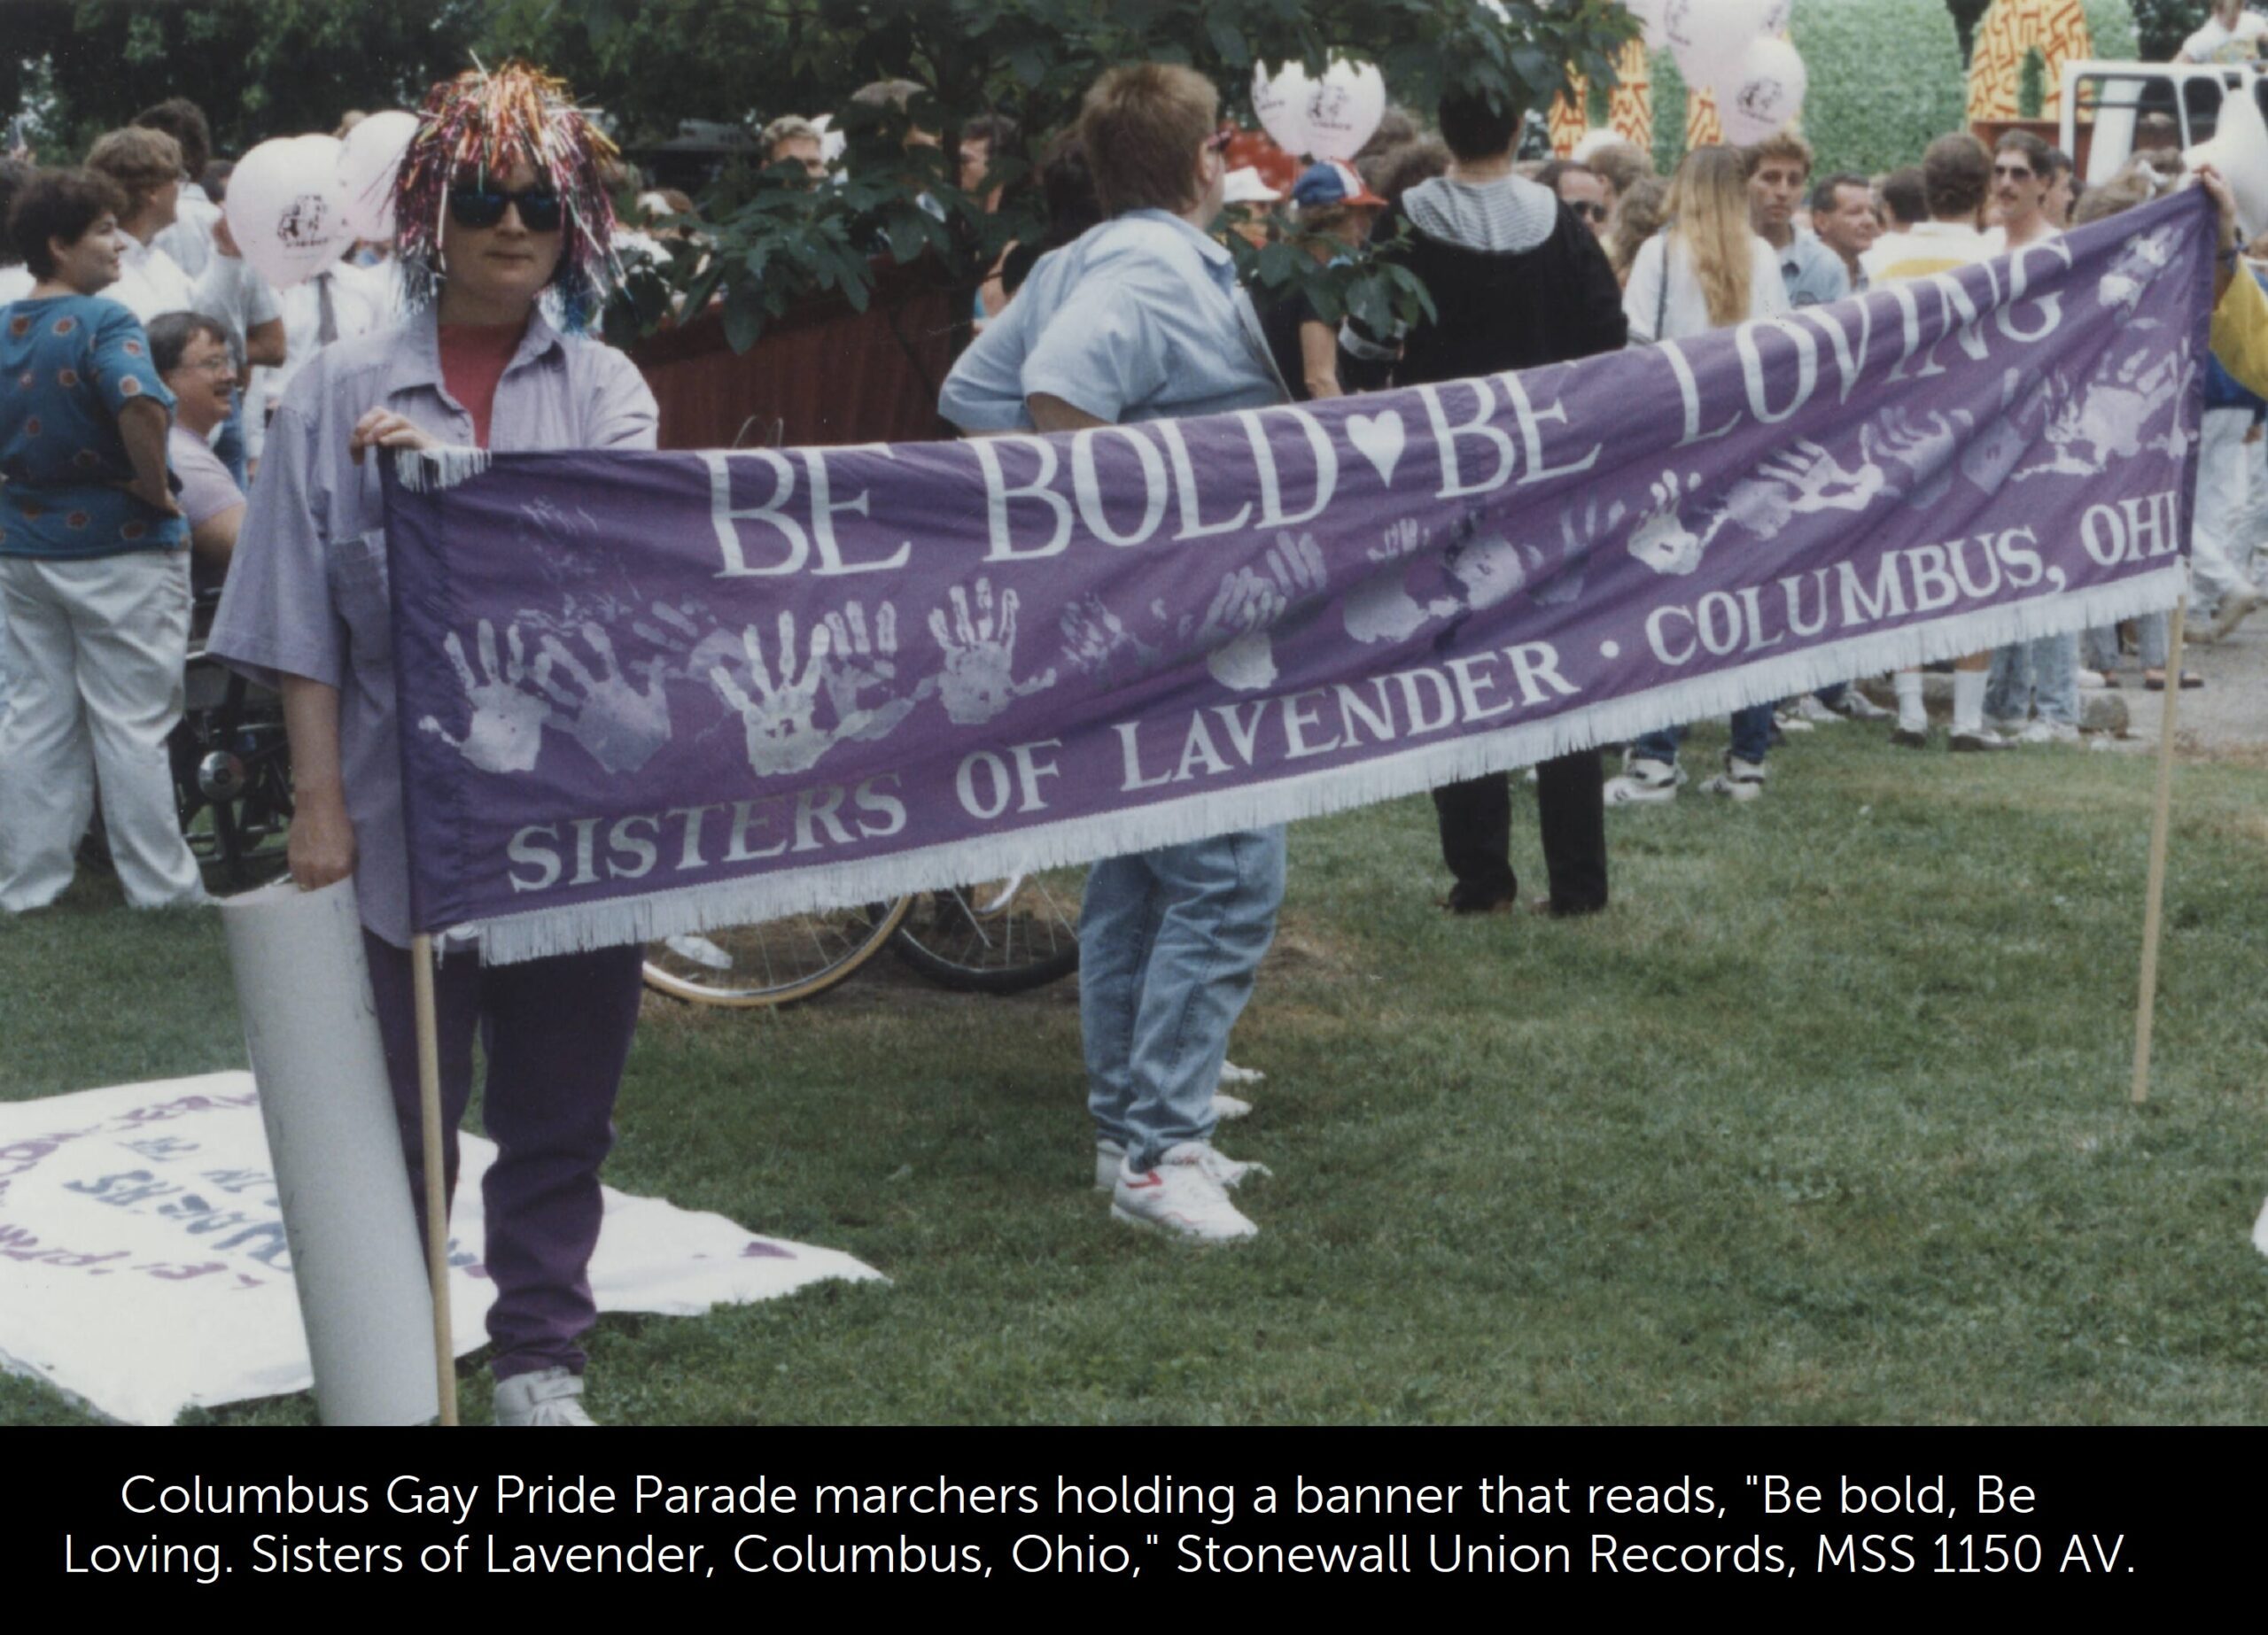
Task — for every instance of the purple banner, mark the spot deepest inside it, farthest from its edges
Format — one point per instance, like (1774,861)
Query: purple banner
(648,693)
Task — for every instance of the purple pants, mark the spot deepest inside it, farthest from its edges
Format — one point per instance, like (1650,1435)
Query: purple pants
(556,1033)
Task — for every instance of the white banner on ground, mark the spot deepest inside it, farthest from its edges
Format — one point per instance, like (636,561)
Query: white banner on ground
(143,1267)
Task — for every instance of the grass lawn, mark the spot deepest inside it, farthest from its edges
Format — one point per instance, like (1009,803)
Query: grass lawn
(1826,1121)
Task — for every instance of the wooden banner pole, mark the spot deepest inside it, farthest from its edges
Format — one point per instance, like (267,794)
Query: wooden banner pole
(436,1209)
(2160,821)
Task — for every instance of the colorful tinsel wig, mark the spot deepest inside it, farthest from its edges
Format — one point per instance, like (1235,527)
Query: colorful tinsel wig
(483,123)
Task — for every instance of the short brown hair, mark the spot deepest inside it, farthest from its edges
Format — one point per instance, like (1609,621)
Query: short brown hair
(1780,144)
(1620,164)
(61,206)
(1142,125)
(2131,186)
(2036,153)
(141,160)
(1956,174)
(184,121)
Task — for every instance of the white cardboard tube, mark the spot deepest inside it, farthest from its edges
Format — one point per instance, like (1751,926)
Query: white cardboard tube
(303,989)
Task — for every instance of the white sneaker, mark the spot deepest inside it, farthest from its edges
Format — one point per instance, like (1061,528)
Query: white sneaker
(1644,782)
(1228,1106)
(547,1397)
(2007,726)
(1856,705)
(1741,780)
(2092,680)
(1110,1156)
(1230,1073)
(1809,708)
(2049,732)
(1791,721)
(1182,1197)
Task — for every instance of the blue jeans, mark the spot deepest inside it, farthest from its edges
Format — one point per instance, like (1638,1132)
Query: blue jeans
(1751,738)
(229,445)
(2043,673)
(1169,941)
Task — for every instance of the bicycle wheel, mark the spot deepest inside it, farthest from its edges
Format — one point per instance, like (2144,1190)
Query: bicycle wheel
(1001,936)
(774,963)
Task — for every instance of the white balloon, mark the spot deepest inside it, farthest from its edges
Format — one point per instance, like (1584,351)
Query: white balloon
(368,162)
(1281,100)
(287,209)
(1344,111)
(1709,37)
(1764,93)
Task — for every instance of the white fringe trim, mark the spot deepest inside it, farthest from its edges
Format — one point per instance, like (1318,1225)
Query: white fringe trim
(580,926)
(429,471)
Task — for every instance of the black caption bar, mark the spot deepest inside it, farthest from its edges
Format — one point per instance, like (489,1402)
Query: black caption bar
(1760,1513)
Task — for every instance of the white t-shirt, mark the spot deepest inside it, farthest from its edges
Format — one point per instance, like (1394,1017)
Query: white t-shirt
(2214,44)
(16,282)
(1683,309)
(235,298)
(150,281)
(189,239)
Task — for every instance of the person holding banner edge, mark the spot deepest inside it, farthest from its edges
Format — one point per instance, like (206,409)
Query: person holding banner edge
(501,200)
(1142,319)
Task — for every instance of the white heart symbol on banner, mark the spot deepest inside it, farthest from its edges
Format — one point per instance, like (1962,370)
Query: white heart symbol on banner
(1377,439)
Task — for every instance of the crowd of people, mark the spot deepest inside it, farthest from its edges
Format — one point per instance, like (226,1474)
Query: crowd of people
(166,418)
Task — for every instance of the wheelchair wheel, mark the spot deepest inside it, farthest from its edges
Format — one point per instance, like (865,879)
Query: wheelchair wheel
(777,963)
(1002,937)
(232,777)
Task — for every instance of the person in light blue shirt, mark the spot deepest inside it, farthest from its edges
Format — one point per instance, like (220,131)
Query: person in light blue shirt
(1779,171)
(1141,319)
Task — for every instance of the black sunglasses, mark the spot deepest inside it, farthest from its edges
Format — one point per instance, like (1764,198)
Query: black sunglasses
(1587,209)
(541,209)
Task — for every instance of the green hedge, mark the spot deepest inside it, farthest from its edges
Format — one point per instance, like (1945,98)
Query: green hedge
(2111,23)
(1887,77)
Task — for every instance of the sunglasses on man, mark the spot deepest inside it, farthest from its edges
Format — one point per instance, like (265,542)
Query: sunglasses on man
(1589,209)
(478,206)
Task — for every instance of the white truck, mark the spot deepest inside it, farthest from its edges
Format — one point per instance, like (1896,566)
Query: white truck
(2105,104)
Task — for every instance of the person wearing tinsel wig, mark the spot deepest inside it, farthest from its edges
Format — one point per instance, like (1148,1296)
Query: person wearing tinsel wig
(500,202)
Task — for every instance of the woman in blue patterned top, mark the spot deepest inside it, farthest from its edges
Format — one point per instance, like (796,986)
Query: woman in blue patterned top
(94,576)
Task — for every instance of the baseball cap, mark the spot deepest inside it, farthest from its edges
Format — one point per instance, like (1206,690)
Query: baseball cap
(1245,185)
(1332,181)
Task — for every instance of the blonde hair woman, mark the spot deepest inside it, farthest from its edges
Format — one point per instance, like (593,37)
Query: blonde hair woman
(1708,267)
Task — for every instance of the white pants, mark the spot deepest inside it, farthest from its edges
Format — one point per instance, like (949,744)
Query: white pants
(2215,561)
(96,687)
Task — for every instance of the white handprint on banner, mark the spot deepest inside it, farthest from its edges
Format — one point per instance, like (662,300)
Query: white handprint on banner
(1579,534)
(620,726)
(2141,259)
(1096,641)
(1491,569)
(1380,608)
(696,649)
(1661,540)
(782,734)
(980,648)
(2105,419)
(506,733)
(859,664)
(1247,608)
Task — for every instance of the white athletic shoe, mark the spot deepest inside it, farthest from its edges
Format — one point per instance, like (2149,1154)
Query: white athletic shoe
(1791,720)
(1809,708)
(547,1397)
(1741,780)
(1228,1106)
(2007,726)
(1183,1196)
(1644,783)
(2093,680)
(1110,1157)
(2049,732)
(1856,705)
(1230,1073)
